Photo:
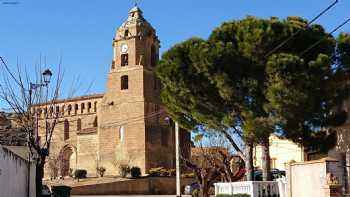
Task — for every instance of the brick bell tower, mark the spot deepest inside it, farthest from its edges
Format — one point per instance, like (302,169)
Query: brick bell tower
(132,122)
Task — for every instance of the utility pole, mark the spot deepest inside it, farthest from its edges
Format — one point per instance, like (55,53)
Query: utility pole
(177,149)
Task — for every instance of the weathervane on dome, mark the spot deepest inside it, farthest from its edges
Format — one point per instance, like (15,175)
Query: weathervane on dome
(137,2)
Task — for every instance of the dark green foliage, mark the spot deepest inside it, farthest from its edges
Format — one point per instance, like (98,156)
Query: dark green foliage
(195,193)
(101,170)
(161,172)
(61,191)
(135,172)
(229,81)
(80,173)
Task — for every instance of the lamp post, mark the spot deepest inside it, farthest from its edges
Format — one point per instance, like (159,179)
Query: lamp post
(177,156)
(47,74)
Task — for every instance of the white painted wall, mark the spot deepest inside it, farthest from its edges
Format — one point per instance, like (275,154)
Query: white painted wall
(13,175)
(306,179)
(282,151)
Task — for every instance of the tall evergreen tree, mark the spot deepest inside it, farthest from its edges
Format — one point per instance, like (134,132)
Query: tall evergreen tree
(230,81)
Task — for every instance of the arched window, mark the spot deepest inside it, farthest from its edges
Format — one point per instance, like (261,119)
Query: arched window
(121,133)
(95,106)
(66,129)
(76,107)
(89,107)
(154,58)
(69,109)
(82,108)
(125,82)
(79,124)
(95,122)
(126,33)
(124,60)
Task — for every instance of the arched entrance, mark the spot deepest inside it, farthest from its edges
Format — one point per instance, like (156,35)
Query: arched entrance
(65,158)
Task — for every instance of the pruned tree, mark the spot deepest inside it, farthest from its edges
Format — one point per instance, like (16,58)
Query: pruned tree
(212,161)
(21,95)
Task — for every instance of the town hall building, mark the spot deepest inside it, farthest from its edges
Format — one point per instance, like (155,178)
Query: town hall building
(127,125)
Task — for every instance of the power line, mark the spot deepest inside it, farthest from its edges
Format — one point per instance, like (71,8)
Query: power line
(297,32)
(9,71)
(324,37)
(134,119)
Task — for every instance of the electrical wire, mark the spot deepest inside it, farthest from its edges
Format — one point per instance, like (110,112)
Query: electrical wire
(324,37)
(297,32)
(9,71)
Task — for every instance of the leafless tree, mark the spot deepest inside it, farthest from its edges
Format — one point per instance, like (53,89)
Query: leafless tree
(213,162)
(21,94)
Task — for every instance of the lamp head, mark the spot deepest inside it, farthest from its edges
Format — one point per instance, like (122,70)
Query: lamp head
(47,74)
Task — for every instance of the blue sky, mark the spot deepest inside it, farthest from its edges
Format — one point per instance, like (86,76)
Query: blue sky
(81,31)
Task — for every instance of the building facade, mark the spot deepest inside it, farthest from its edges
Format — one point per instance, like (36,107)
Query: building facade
(127,125)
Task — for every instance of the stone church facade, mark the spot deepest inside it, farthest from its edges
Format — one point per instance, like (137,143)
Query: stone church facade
(127,125)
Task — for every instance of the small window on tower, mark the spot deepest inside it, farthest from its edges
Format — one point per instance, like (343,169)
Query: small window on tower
(126,33)
(121,133)
(125,82)
(125,59)
(154,58)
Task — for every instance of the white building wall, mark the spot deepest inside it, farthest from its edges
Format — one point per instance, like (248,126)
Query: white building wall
(13,175)
(282,151)
(308,179)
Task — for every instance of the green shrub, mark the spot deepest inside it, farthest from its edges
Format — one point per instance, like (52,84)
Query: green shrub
(135,172)
(80,174)
(124,170)
(187,175)
(101,171)
(161,171)
(234,195)
(195,193)
(155,172)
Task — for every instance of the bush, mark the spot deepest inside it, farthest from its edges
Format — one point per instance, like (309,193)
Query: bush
(101,171)
(188,175)
(161,172)
(135,172)
(124,170)
(234,195)
(195,193)
(80,174)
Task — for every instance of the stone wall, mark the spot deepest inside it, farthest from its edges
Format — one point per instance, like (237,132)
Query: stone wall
(142,186)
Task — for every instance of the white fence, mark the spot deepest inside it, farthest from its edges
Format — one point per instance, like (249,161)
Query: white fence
(253,188)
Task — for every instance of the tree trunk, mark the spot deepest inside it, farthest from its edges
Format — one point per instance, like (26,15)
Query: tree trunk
(39,176)
(266,164)
(204,189)
(249,161)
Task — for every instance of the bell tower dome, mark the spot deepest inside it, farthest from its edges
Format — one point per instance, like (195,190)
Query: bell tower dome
(135,42)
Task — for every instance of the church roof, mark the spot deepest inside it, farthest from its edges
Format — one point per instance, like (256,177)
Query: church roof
(136,18)
(78,98)
(135,9)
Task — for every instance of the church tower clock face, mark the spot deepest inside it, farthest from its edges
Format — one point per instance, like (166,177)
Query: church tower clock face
(124,48)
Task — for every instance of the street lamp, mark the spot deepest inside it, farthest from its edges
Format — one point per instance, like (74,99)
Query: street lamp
(177,156)
(47,74)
